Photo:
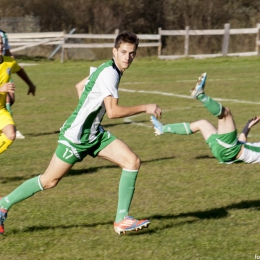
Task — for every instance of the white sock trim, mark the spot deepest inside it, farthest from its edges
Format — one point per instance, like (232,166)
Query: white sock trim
(130,170)
(186,128)
(39,183)
(220,111)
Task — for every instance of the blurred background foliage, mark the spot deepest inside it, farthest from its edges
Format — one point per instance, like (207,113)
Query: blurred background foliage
(140,16)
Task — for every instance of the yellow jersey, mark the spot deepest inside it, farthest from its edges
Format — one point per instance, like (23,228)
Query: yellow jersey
(7,67)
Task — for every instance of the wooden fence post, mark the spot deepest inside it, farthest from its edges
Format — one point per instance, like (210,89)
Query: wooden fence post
(160,42)
(59,46)
(186,43)
(225,39)
(62,54)
(62,48)
(257,38)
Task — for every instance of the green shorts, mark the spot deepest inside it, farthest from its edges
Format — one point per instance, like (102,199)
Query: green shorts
(72,153)
(225,147)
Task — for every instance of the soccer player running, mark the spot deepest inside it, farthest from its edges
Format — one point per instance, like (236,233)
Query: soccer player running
(82,135)
(223,141)
(8,66)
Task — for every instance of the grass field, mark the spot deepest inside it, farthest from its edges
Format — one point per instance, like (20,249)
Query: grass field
(199,209)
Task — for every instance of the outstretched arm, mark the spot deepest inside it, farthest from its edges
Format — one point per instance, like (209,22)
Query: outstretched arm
(115,111)
(22,74)
(250,123)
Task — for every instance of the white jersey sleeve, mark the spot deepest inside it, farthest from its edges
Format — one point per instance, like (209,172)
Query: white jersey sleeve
(109,81)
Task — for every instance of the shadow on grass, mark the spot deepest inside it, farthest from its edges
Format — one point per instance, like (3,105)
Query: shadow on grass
(7,179)
(40,134)
(92,170)
(215,213)
(205,157)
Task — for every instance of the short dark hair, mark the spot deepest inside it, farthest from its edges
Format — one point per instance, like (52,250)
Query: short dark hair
(126,36)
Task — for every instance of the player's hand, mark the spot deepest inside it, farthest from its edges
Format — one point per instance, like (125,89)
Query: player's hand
(31,90)
(253,121)
(8,87)
(153,109)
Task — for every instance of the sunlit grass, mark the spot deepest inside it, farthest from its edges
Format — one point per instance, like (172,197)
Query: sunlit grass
(199,209)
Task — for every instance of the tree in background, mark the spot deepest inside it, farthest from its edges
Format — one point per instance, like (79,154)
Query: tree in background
(142,17)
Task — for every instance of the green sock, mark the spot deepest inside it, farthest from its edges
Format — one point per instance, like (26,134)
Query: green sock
(8,108)
(180,128)
(125,193)
(24,191)
(213,106)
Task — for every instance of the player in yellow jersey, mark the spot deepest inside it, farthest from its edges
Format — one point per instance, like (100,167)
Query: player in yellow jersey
(8,66)
(10,97)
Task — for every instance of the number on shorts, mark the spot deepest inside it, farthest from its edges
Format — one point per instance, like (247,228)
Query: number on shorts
(66,155)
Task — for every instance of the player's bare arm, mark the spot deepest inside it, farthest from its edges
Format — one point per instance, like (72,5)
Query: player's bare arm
(250,123)
(31,87)
(115,111)
(8,87)
(254,121)
(80,86)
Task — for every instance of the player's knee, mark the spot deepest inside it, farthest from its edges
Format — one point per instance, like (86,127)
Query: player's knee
(202,121)
(11,135)
(133,163)
(138,162)
(226,112)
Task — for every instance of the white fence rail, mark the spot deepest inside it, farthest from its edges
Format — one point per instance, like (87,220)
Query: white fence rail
(155,38)
(21,41)
(28,40)
(226,32)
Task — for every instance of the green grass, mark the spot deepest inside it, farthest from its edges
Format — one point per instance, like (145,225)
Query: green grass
(199,209)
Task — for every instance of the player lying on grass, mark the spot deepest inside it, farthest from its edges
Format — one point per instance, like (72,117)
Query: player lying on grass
(82,135)
(8,66)
(223,141)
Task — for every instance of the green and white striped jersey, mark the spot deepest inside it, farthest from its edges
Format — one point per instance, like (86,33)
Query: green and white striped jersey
(84,123)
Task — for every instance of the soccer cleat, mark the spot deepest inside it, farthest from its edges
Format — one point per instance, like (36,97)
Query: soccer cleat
(199,88)
(129,223)
(157,125)
(3,216)
(19,135)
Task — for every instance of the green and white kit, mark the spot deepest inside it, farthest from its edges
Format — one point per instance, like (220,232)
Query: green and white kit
(82,133)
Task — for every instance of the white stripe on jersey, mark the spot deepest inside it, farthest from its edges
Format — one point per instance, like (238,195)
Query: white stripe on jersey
(251,155)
